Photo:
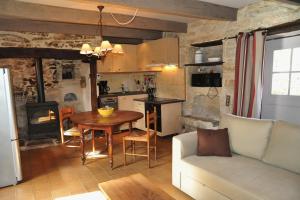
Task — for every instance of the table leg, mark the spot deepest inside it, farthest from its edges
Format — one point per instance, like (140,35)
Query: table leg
(110,147)
(82,145)
(93,140)
(130,127)
(132,142)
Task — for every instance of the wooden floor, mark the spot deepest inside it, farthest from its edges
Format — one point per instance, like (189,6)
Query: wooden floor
(57,171)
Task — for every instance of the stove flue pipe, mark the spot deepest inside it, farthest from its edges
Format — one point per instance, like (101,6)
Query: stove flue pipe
(39,80)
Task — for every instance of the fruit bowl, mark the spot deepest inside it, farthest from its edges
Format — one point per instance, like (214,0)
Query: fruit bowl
(106,111)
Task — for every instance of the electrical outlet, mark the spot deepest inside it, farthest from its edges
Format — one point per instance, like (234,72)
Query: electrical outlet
(227,100)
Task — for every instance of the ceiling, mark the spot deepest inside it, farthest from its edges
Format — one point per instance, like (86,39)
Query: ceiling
(231,3)
(81,16)
(92,5)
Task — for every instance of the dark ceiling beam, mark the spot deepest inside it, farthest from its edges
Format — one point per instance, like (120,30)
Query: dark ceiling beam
(118,40)
(190,8)
(14,9)
(7,24)
(17,52)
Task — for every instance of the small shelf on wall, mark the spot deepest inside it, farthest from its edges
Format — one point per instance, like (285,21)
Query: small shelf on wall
(208,44)
(205,64)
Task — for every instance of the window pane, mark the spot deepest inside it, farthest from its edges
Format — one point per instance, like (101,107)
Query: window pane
(295,84)
(281,60)
(280,84)
(296,59)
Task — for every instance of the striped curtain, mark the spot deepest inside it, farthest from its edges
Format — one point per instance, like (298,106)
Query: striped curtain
(248,84)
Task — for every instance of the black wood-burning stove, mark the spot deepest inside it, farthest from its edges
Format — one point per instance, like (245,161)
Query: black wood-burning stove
(42,117)
(43,120)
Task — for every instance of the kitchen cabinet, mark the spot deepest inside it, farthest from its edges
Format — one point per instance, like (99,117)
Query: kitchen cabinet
(170,119)
(140,107)
(125,62)
(106,64)
(127,103)
(148,56)
(119,62)
(168,114)
(158,53)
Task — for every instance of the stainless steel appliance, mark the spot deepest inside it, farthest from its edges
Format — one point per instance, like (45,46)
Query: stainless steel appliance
(207,80)
(10,162)
(109,101)
(103,88)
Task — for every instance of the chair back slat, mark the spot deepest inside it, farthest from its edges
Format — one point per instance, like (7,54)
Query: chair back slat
(151,119)
(65,113)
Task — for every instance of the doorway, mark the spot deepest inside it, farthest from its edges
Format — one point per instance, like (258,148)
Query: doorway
(281,94)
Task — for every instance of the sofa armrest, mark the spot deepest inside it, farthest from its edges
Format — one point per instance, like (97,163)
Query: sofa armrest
(182,146)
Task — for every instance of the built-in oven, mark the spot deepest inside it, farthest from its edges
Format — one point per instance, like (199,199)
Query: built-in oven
(108,101)
(150,107)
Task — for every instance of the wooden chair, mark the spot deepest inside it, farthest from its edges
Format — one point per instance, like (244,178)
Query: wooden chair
(72,132)
(142,136)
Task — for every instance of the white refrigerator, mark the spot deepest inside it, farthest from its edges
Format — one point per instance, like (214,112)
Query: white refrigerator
(10,162)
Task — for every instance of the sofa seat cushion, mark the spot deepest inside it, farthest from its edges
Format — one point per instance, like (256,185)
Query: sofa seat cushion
(240,177)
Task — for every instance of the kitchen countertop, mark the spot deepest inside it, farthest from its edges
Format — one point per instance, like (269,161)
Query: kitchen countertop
(116,94)
(159,100)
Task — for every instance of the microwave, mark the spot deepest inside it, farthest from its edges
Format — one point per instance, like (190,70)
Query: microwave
(207,80)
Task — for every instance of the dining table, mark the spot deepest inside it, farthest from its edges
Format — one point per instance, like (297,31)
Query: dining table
(92,120)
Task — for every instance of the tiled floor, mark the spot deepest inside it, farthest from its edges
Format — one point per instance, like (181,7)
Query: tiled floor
(57,171)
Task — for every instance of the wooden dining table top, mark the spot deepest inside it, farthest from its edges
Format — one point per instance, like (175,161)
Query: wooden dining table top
(93,118)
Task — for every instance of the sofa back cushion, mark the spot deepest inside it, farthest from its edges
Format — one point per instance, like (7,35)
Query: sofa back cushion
(284,147)
(248,137)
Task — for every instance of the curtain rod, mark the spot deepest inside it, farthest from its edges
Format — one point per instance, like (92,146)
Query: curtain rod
(265,31)
(275,29)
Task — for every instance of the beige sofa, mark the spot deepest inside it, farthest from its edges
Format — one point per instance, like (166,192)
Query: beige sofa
(265,163)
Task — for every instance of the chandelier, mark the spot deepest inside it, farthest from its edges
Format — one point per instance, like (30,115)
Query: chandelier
(105,46)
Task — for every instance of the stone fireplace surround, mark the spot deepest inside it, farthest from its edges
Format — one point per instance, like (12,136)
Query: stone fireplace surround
(23,71)
(24,86)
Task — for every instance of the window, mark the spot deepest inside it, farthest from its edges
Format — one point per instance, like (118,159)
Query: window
(286,72)
(281,93)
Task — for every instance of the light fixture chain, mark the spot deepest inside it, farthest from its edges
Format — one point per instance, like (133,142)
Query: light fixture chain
(101,25)
(105,46)
(127,22)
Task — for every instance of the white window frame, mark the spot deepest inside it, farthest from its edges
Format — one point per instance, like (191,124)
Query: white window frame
(279,107)
(289,72)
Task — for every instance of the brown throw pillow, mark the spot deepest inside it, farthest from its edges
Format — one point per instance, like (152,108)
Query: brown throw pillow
(213,142)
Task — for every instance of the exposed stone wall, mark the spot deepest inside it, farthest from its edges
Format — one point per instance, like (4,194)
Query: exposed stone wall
(23,71)
(258,15)
(44,40)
